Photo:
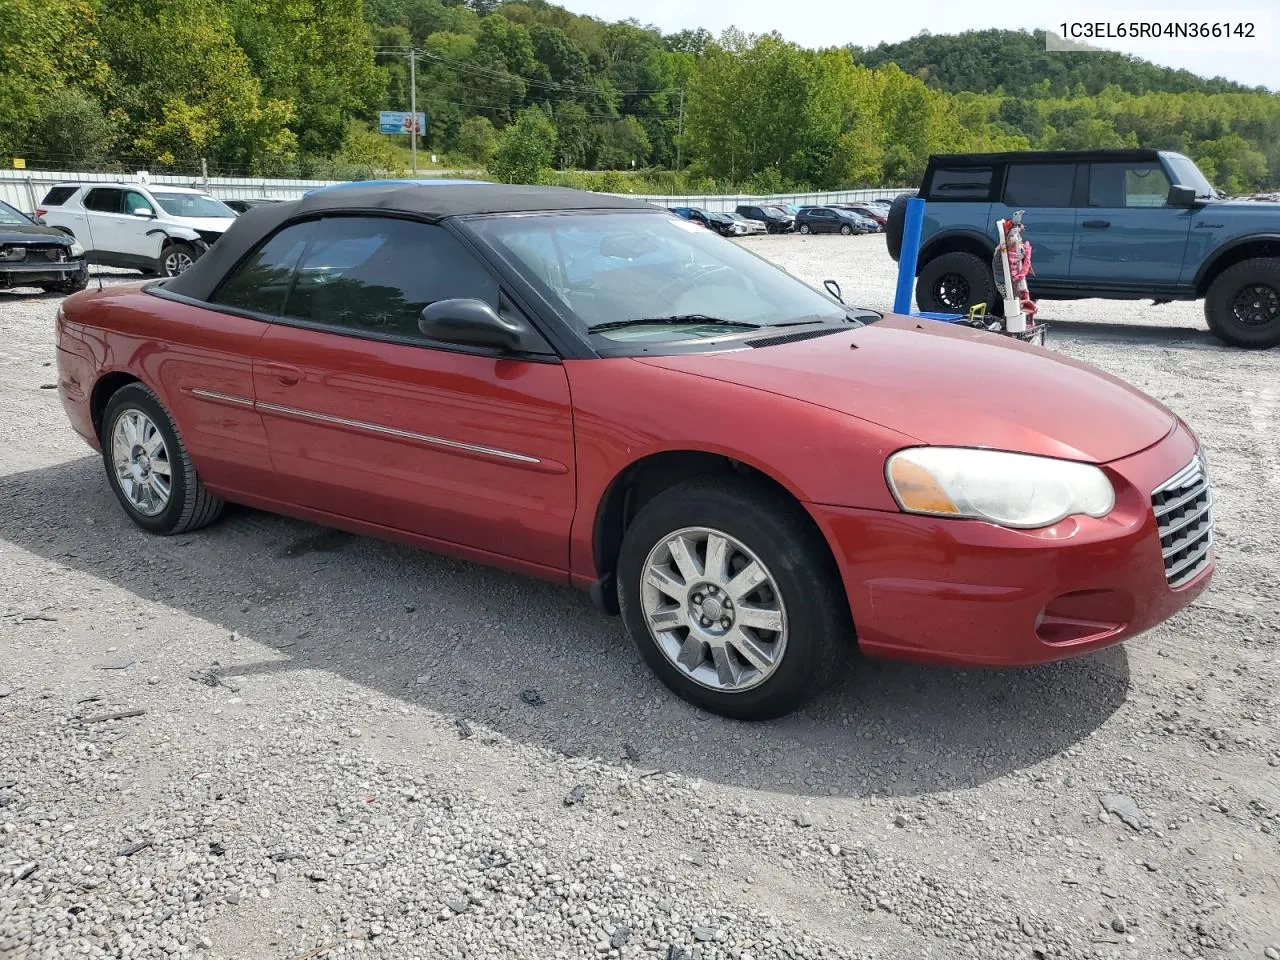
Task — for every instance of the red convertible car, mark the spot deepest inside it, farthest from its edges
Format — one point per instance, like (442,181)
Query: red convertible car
(590,390)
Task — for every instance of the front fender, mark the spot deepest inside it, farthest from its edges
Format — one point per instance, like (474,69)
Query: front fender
(626,411)
(185,234)
(1209,260)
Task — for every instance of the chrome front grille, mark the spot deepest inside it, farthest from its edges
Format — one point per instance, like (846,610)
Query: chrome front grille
(1183,507)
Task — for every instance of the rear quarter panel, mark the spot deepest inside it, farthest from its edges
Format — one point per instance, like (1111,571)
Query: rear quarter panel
(198,362)
(943,218)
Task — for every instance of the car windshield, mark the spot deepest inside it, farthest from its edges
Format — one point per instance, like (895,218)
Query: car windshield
(192,205)
(1187,174)
(12,217)
(618,269)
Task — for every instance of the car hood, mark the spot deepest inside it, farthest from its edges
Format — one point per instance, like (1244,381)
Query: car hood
(948,385)
(31,233)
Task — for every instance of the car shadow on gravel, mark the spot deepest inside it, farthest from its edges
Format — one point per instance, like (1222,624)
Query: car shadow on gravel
(468,641)
(1146,334)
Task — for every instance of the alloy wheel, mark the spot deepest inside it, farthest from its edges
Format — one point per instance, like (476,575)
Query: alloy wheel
(1256,305)
(141,460)
(952,291)
(714,609)
(176,262)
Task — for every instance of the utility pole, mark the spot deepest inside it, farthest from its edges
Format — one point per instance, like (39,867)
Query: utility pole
(413,110)
(681,129)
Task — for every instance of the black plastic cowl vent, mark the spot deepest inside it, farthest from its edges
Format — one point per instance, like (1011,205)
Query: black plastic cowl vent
(791,337)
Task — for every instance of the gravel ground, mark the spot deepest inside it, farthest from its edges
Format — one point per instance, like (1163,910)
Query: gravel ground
(329,746)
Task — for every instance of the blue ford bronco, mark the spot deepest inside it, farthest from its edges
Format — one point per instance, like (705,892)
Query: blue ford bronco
(1113,224)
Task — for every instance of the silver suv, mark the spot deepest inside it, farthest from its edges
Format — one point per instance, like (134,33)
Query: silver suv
(147,227)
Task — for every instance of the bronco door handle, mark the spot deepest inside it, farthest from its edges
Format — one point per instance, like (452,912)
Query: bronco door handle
(1096,224)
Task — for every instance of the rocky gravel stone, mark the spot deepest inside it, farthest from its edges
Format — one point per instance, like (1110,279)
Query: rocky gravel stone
(908,813)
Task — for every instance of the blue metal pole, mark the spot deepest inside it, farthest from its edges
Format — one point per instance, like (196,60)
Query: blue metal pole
(911,230)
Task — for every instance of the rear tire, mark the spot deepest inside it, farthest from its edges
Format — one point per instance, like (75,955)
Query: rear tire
(149,468)
(1243,304)
(696,649)
(954,282)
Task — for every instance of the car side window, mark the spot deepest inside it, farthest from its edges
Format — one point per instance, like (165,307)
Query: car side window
(103,200)
(57,196)
(260,283)
(134,201)
(966,183)
(1143,184)
(1039,184)
(375,274)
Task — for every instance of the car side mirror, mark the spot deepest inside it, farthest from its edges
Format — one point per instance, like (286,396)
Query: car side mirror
(142,212)
(471,323)
(1180,196)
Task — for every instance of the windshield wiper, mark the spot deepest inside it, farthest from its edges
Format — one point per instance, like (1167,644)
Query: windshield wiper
(695,319)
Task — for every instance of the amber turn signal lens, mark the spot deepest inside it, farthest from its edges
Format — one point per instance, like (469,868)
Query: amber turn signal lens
(917,490)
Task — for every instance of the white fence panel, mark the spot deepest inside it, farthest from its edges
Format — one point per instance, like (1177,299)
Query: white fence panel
(25,189)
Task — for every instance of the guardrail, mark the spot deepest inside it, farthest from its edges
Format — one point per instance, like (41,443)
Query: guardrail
(25,189)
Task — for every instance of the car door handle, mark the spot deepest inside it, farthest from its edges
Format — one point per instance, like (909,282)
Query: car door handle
(1096,224)
(286,374)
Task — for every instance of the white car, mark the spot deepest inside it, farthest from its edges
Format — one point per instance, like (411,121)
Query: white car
(749,227)
(147,227)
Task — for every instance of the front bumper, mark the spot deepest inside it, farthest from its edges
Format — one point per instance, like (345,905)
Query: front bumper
(19,274)
(967,593)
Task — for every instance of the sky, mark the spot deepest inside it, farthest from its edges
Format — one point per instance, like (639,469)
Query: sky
(816,23)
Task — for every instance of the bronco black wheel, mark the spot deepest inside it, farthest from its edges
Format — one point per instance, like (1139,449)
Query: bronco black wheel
(954,282)
(1243,304)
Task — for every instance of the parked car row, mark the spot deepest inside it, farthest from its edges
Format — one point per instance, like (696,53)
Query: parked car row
(750,218)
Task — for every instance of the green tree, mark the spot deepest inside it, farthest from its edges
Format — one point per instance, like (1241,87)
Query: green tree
(477,139)
(71,127)
(45,46)
(185,89)
(525,149)
(574,134)
(315,55)
(622,144)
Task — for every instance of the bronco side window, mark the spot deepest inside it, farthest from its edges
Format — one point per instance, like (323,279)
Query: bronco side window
(963,183)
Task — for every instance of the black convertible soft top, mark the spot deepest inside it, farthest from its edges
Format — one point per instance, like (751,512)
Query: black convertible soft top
(427,200)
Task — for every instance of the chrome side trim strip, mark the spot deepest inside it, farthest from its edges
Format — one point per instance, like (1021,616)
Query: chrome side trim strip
(222,397)
(393,432)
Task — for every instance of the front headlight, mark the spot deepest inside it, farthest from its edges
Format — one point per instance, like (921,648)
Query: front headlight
(76,249)
(1009,489)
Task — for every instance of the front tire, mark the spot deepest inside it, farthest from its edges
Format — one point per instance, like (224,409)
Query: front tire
(176,258)
(846,229)
(954,282)
(732,598)
(149,468)
(1243,304)
(804,228)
